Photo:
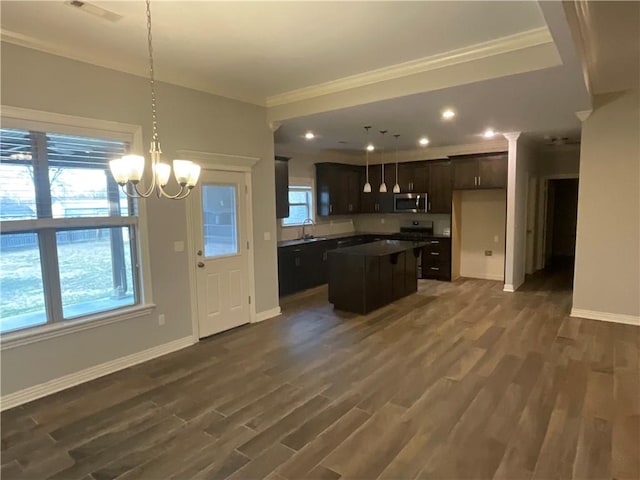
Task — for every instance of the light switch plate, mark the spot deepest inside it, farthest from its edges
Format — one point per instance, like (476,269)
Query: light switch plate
(178,246)
(267,236)
(496,239)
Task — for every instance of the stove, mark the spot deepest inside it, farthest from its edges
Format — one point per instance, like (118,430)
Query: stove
(416,232)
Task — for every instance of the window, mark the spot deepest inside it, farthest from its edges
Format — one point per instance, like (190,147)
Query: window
(67,231)
(300,205)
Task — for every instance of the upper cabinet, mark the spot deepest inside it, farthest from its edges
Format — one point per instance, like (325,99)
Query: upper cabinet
(440,186)
(413,177)
(338,189)
(376,202)
(282,187)
(480,171)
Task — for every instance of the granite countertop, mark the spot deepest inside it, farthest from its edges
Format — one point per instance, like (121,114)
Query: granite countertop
(337,236)
(380,248)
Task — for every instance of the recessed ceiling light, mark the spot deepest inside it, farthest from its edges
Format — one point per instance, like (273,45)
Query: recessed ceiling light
(424,141)
(489,133)
(309,136)
(370,147)
(448,114)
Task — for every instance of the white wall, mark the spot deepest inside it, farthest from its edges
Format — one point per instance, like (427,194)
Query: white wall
(607,271)
(521,165)
(188,120)
(483,215)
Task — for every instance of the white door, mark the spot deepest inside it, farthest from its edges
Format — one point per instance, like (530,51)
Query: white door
(222,252)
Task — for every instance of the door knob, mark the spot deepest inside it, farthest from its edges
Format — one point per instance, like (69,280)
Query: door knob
(199,253)
(200,265)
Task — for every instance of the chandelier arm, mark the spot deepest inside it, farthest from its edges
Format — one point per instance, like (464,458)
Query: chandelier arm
(163,194)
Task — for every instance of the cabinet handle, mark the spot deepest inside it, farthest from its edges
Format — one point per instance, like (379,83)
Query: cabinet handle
(297,261)
(435,242)
(479,180)
(330,208)
(434,268)
(435,253)
(429,207)
(475,181)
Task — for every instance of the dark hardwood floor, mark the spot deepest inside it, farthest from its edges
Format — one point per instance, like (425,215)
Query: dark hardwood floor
(459,380)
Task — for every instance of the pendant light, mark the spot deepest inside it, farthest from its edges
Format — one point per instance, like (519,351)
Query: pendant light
(127,171)
(383,185)
(367,185)
(396,187)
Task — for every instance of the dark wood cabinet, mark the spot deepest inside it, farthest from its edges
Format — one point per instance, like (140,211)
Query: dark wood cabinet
(282,187)
(436,259)
(376,202)
(440,186)
(493,171)
(338,189)
(413,177)
(303,266)
(480,171)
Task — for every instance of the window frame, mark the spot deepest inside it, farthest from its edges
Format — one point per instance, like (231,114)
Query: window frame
(34,120)
(306,184)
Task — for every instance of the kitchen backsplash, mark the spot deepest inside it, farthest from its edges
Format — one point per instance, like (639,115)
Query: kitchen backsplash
(392,222)
(323,227)
(388,223)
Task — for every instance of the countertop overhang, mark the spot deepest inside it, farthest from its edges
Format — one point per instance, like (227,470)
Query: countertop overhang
(380,248)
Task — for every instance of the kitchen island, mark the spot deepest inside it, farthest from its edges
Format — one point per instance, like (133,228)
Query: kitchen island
(366,277)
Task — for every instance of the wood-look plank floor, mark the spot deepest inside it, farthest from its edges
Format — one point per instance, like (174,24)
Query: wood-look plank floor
(459,380)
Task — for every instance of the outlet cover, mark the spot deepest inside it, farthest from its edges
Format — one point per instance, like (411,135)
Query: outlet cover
(488,253)
(161,319)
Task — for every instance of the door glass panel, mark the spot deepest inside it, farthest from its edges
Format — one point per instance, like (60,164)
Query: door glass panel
(219,220)
(21,289)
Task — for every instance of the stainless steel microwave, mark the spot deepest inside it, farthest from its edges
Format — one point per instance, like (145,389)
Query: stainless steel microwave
(410,202)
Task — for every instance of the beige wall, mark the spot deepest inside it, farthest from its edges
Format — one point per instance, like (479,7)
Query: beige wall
(482,220)
(607,272)
(188,120)
(562,160)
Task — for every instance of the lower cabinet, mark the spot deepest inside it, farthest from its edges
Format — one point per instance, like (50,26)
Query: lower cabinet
(436,259)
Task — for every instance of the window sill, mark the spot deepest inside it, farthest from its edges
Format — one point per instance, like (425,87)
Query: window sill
(45,332)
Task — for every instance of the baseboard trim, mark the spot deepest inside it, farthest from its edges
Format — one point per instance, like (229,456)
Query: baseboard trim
(58,384)
(483,276)
(267,314)
(508,288)
(606,316)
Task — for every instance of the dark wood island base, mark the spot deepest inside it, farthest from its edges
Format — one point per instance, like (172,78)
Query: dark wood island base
(366,277)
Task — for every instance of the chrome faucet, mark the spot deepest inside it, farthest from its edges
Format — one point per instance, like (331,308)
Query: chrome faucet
(306,222)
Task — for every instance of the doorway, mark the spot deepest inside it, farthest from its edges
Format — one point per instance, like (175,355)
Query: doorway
(222,258)
(560,223)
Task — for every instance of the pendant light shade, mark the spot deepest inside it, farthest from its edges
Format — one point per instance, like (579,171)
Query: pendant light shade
(367,185)
(383,185)
(396,187)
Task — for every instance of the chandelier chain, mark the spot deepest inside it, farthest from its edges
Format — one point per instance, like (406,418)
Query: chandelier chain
(152,74)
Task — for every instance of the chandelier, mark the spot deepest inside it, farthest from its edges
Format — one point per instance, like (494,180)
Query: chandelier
(127,170)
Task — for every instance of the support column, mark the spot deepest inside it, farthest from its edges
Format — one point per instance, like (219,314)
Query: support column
(510,282)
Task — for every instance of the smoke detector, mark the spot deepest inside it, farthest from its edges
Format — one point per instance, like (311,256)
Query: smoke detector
(94,10)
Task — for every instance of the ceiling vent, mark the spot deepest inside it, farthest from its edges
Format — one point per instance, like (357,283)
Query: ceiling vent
(95,10)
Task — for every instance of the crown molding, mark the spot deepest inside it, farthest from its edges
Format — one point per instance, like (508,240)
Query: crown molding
(583,114)
(518,41)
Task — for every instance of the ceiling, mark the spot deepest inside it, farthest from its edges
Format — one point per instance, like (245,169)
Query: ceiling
(333,67)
